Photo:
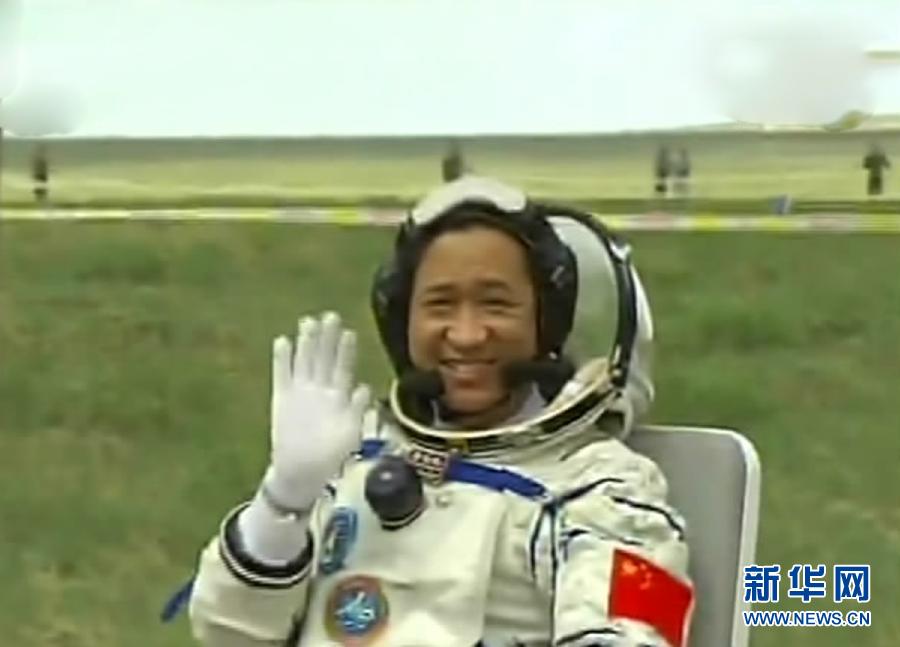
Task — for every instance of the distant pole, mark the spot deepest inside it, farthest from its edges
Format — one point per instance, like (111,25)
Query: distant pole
(1,170)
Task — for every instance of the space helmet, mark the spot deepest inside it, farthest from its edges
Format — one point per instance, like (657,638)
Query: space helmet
(594,328)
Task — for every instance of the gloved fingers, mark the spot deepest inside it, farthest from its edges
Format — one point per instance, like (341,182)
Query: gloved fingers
(324,356)
(349,433)
(307,337)
(370,423)
(359,403)
(281,365)
(345,363)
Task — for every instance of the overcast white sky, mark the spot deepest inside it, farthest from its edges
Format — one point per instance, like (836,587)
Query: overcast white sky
(336,67)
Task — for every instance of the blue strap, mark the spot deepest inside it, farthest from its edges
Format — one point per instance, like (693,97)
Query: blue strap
(493,478)
(177,601)
(463,471)
(371,448)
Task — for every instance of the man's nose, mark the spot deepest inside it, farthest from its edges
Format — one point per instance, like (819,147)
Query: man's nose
(466,329)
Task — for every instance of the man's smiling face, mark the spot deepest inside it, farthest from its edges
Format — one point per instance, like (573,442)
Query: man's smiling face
(473,311)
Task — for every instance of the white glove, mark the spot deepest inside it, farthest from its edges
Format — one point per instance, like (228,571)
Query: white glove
(316,421)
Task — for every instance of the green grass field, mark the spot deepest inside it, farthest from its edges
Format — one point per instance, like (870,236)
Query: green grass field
(730,166)
(134,363)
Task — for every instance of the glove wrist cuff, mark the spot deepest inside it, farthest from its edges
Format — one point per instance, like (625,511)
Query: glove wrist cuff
(288,497)
(283,508)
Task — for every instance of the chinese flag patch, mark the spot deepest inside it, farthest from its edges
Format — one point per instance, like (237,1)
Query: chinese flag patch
(641,590)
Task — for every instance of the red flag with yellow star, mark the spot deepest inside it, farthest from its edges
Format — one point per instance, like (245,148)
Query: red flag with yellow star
(643,591)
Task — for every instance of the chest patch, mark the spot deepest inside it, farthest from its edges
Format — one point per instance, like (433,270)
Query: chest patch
(338,539)
(356,612)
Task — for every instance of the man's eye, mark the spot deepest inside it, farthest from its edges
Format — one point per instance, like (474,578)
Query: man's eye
(498,303)
(437,303)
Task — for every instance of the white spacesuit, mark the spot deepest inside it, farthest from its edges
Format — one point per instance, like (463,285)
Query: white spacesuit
(543,530)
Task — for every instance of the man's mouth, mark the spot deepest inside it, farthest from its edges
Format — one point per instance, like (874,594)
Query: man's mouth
(466,368)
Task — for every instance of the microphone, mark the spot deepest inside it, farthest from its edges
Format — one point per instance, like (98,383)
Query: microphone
(418,387)
(429,385)
(417,390)
(548,374)
(423,384)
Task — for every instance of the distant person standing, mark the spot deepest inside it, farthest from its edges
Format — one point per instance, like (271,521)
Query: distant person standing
(662,171)
(453,165)
(40,174)
(875,162)
(681,171)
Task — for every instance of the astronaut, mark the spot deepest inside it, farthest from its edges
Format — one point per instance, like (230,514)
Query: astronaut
(490,501)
